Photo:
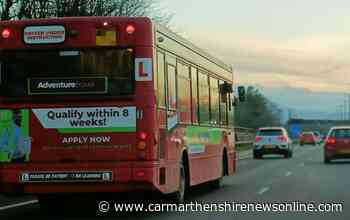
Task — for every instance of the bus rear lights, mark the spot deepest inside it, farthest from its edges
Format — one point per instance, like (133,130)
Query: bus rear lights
(6,33)
(141,145)
(142,135)
(130,29)
(140,173)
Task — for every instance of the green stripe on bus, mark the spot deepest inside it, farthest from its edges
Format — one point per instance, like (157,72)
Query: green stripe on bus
(96,130)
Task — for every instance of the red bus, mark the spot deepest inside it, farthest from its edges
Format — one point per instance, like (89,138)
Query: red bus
(110,104)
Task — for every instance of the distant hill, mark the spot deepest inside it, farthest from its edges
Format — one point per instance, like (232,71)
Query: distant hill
(305,103)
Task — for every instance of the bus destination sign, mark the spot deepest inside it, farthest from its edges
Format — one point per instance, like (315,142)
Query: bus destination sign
(51,34)
(64,86)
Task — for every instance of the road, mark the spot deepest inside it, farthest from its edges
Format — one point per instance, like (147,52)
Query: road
(303,178)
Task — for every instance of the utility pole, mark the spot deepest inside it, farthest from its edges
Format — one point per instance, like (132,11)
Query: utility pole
(345,110)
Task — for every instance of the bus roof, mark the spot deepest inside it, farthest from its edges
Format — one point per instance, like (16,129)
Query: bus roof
(164,30)
(183,47)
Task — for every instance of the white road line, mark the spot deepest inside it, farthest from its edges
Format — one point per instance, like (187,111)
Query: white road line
(302,164)
(263,190)
(288,173)
(2,208)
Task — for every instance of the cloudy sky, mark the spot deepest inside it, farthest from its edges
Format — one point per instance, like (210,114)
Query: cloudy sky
(297,52)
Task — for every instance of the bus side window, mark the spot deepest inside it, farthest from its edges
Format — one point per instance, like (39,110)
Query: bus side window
(230,113)
(194,95)
(203,83)
(172,102)
(161,87)
(184,89)
(214,101)
(172,114)
(223,107)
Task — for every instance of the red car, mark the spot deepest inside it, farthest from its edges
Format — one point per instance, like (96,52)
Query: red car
(337,144)
(308,138)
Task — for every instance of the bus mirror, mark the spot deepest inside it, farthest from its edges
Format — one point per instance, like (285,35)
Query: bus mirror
(226,88)
(241,93)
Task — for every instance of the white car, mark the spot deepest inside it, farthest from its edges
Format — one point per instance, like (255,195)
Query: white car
(272,140)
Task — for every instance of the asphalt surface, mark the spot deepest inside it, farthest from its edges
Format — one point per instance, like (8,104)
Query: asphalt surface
(304,178)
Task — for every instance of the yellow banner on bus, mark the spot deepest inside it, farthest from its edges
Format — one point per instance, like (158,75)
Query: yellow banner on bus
(106,37)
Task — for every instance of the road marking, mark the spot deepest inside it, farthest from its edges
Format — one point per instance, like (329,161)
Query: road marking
(288,173)
(263,190)
(302,164)
(2,208)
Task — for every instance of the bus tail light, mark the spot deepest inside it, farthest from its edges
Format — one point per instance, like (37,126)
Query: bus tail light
(140,173)
(6,33)
(141,145)
(130,29)
(142,136)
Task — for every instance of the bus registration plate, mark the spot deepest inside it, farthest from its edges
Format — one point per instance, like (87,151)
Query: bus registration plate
(74,176)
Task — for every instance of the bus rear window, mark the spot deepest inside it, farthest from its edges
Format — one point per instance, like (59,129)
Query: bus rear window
(61,72)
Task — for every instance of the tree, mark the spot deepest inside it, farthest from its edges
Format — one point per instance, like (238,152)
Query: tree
(5,7)
(21,9)
(257,111)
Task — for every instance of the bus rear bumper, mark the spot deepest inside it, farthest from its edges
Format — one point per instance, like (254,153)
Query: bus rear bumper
(126,177)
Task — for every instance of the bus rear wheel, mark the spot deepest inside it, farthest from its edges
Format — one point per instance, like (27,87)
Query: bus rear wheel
(216,184)
(179,195)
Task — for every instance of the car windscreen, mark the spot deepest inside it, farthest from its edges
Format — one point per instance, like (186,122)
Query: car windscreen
(106,71)
(341,133)
(270,132)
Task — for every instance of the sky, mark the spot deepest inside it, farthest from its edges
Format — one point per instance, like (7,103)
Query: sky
(298,48)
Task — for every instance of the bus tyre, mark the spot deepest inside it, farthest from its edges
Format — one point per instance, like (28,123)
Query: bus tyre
(179,196)
(217,184)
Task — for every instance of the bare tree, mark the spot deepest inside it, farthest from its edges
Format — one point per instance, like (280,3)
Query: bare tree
(20,9)
(5,9)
